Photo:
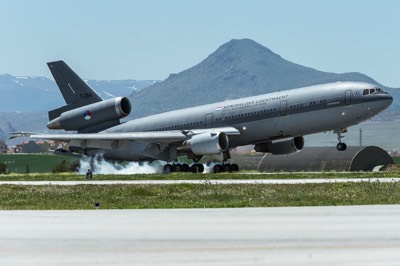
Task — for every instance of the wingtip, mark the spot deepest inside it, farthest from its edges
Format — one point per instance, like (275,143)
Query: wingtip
(15,135)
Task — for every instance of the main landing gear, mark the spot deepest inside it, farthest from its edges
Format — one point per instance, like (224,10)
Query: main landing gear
(341,146)
(225,166)
(177,167)
(199,168)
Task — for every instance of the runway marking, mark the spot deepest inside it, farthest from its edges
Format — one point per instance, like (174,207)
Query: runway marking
(203,182)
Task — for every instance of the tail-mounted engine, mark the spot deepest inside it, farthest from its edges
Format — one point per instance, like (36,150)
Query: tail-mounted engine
(93,114)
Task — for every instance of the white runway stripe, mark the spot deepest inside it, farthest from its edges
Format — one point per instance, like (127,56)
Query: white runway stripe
(215,182)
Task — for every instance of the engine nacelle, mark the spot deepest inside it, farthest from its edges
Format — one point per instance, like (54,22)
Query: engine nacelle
(281,146)
(206,143)
(92,114)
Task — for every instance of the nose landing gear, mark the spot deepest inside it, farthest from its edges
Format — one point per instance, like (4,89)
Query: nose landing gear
(341,146)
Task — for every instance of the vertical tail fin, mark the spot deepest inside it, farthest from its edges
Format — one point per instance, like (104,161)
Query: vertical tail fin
(75,91)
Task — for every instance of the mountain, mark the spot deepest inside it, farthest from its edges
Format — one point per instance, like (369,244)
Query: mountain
(22,121)
(35,94)
(114,88)
(27,93)
(236,69)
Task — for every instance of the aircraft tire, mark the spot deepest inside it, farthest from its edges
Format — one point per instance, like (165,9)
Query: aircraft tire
(217,168)
(194,169)
(201,168)
(197,168)
(177,168)
(168,168)
(227,168)
(185,167)
(341,146)
(235,167)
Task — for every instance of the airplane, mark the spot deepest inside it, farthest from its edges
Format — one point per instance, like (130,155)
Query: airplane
(274,122)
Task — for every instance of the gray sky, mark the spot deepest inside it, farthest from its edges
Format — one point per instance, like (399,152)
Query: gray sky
(150,39)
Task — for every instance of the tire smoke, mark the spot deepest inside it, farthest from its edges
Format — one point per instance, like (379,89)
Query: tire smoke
(99,165)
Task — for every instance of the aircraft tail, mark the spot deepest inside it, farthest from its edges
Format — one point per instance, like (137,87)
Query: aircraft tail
(85,111)
(75,91)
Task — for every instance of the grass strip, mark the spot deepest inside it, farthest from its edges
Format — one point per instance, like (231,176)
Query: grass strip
(191,176)
(13,197)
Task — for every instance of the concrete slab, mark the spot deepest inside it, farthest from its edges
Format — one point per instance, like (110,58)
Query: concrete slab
(353,235)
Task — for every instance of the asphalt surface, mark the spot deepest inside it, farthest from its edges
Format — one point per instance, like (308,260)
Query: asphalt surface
(353,235)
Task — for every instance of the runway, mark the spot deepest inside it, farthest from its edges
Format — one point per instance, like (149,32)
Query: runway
(353,235)
(211,181)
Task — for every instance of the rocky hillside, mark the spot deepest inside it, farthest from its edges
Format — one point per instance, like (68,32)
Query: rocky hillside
(36,94)
(237,69)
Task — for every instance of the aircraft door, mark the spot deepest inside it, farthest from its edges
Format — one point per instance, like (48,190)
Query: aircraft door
(348,97)
(209,120)
(283,108)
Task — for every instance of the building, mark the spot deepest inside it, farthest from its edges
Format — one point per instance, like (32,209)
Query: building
(39,146)
(3,147)
(318,159)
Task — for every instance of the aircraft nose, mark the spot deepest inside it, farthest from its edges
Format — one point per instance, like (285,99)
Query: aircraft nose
(383,98)
(388,97)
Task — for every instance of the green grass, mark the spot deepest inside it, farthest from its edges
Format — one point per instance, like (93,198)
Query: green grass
(44,163)
(37,163)
(196,196)
(184,195)
(191,176)
(396,160)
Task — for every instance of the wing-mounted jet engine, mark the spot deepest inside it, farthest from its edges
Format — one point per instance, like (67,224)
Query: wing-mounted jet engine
(205,144)
(281,146)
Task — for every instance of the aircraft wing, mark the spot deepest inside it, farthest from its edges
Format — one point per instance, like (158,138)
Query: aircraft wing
(153,136)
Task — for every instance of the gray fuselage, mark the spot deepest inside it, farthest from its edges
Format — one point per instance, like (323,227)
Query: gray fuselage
(294,112)
(271,116)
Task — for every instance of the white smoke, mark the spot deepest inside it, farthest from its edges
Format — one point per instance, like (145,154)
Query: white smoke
(100,166)
(209,168)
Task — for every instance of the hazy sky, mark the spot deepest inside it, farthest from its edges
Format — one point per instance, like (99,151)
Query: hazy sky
(151,39)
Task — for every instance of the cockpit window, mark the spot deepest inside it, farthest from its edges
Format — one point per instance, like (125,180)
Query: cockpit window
(372,91)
